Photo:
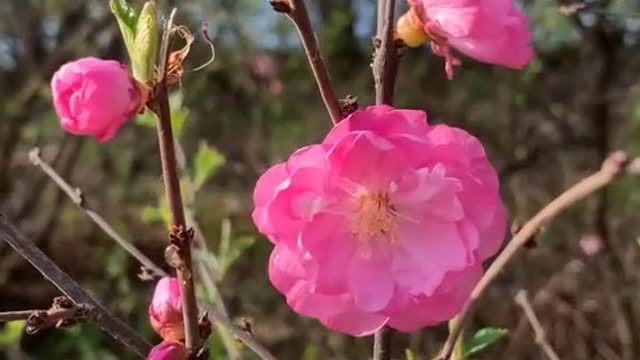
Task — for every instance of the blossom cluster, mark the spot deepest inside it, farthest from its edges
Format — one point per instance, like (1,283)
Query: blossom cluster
(387,221)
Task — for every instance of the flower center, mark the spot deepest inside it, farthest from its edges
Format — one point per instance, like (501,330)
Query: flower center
(375,215)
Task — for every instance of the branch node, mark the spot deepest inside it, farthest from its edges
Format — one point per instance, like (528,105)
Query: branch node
(205,326)
(348,105)
(281,6)
(615,163)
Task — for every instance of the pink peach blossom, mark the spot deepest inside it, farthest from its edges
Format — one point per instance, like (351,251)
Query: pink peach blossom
(491,31)
(165,311)
(386,222)
(94,97)
(167,350)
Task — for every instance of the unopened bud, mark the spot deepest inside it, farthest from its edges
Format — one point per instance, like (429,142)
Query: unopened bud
(165,311)
(410,29)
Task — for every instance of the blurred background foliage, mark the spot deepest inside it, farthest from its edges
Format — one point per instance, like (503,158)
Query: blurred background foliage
(544,127)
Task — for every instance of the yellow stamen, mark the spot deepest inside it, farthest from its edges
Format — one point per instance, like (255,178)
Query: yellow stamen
(375,216)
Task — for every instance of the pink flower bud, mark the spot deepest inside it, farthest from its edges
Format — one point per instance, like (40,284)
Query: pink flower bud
(168,350)
(94,97)
(165,311)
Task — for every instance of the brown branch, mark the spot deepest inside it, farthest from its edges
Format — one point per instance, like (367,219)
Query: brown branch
(77,196)
(612,168)
(385,58)
(523,301)
(180,236)
(382,344)
(113,326)
(385,63)
(296,11)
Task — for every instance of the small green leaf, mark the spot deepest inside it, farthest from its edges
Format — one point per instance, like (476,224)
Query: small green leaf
(232,251)
(147,119)
(207,161)
(152,214)
(11,333)
(127,20)
(143,53)
(483,339)
(179,113)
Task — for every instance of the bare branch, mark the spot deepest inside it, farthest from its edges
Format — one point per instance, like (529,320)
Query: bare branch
(113,326)
(385,58)
(612,168)
(77,196)
(384,74)
(523,301)
(296,10)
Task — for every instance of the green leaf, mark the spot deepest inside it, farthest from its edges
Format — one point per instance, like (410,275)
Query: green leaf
(127,20)
(482,339)
(207,161)
(152,214)
(143,54)
(147,119)
(11,333)
(179,113)
(231,251)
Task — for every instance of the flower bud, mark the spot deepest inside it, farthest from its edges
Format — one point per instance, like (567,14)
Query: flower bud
(410,29)
(95,97)
(168,350)
(165,311)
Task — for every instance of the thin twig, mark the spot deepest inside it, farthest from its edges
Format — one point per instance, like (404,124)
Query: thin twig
(207,269)
(297,12)
(241,334)
(8,316)
(77,196)
(382,344)
(384,71)
(179,233)
(113,326)
(612,168)
(522,300)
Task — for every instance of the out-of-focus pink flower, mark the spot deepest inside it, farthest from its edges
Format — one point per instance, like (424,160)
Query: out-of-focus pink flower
(94,97)
(168,350)
(386,222)
(491,31)
(591,244)
(165,311)
(264,67)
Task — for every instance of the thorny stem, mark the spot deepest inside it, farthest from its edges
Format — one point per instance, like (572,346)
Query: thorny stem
(612,168)
(296,10)
(160,106)
(77,196)
(113,326)
(523,301)
(384,74)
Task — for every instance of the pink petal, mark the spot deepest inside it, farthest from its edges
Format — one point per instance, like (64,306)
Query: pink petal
(383,120)
(371,283)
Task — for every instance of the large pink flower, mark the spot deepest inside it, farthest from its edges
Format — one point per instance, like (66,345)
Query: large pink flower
(386,222)
(491,31)
(94,97)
